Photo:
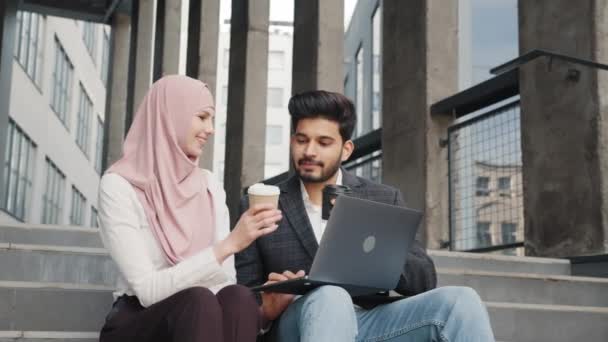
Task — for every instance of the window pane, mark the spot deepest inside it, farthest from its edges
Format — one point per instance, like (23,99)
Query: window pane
(504,183)
(225,96)
(509,232)
(484,237)
(376,68)
(276,60)
(25,42)
(274,135)
(6,164)
(226,57)
(275,97)
(359,93)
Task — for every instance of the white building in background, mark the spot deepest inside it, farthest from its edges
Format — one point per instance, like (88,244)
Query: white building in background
(279,91)
(57,106)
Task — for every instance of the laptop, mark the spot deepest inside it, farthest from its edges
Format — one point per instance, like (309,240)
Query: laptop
(363,249)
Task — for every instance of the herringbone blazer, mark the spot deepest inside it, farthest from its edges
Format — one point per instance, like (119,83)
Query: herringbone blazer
(293,245)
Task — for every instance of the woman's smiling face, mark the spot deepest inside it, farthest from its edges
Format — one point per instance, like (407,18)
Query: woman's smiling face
(200,131)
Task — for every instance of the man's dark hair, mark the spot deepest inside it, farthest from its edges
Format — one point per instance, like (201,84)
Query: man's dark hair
(327,105)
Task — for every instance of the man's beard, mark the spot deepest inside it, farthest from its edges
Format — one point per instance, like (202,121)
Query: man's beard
(326,172)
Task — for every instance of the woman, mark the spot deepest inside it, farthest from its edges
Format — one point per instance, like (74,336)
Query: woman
(165,223)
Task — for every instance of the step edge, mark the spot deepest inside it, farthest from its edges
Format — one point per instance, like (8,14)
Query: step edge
(67,228)
(54,286)
(49,334)
(535,276)
(547,307)
(477,256)
(54,248)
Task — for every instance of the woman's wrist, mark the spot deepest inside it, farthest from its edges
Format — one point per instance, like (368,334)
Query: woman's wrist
(223,250)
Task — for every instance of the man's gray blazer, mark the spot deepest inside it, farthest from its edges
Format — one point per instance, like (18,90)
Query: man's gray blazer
(293,245)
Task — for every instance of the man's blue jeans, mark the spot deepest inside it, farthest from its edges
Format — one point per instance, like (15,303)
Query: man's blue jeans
(451,314)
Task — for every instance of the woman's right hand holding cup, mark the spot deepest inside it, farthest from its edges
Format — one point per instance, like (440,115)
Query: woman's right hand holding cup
(259,220)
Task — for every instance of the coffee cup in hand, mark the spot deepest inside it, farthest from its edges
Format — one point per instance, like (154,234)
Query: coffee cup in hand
(263,194)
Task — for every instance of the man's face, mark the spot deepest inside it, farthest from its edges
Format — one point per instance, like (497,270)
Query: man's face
(317,149)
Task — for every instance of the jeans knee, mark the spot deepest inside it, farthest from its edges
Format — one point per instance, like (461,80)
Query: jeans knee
(329,300)
(464,294)
(330,294)
(462,300)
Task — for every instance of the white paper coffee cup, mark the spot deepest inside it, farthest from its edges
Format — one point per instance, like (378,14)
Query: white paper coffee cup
(262,194)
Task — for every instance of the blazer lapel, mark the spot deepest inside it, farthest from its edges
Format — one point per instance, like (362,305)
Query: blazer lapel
(295,212)
(352,182)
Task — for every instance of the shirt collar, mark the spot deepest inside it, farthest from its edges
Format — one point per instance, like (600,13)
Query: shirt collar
(306,198)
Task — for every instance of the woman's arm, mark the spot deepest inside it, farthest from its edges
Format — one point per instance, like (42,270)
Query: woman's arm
(123,238)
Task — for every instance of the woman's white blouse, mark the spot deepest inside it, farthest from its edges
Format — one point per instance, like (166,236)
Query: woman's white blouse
(144,270)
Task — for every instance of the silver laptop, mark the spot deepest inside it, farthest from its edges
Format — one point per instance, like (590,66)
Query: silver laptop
(363,249)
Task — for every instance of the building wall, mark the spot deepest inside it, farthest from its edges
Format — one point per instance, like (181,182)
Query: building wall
(30,109)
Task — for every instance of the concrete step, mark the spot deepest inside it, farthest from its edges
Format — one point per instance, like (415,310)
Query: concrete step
(48,336)
(530,288)
(555,323)
(34,306)
(63,264)
(30,234)
(499,263)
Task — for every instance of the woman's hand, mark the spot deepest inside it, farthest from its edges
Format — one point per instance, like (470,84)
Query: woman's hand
(258,221)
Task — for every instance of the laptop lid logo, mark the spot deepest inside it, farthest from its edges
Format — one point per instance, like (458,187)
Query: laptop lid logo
(369,244)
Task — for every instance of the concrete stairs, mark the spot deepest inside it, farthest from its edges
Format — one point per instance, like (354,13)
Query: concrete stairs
(56,284)
(531,299)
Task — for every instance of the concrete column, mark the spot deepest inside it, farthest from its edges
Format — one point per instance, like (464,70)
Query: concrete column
(116,102)
(420,67)
(8,14)
(172,37)
(144,50)
(318,45)
(246,112)
(201,59)
(564,128)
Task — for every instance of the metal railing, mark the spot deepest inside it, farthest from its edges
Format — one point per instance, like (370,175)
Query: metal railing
(485,182)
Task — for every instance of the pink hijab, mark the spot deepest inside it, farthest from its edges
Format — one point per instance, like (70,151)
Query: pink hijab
(171,188)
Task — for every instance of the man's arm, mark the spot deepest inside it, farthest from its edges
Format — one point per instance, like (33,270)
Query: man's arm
(248,262)
(419,273)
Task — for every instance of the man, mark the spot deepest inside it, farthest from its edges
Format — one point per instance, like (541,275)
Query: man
(323,124)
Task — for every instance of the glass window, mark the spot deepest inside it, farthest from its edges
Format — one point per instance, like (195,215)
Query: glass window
(509,232)
(62,84)
(276,60)
(18,172)
(376,108)
(99,146)
(225,96)
(105,58)
(226,58)
(84,121)
(94,221)
(28,44)
(377,68)
(52,200)
(77,210)
(274,135)
(483,186)
(484,236)
(89,36)
(221,134)
(275,97)
(504,183)
(359,97)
